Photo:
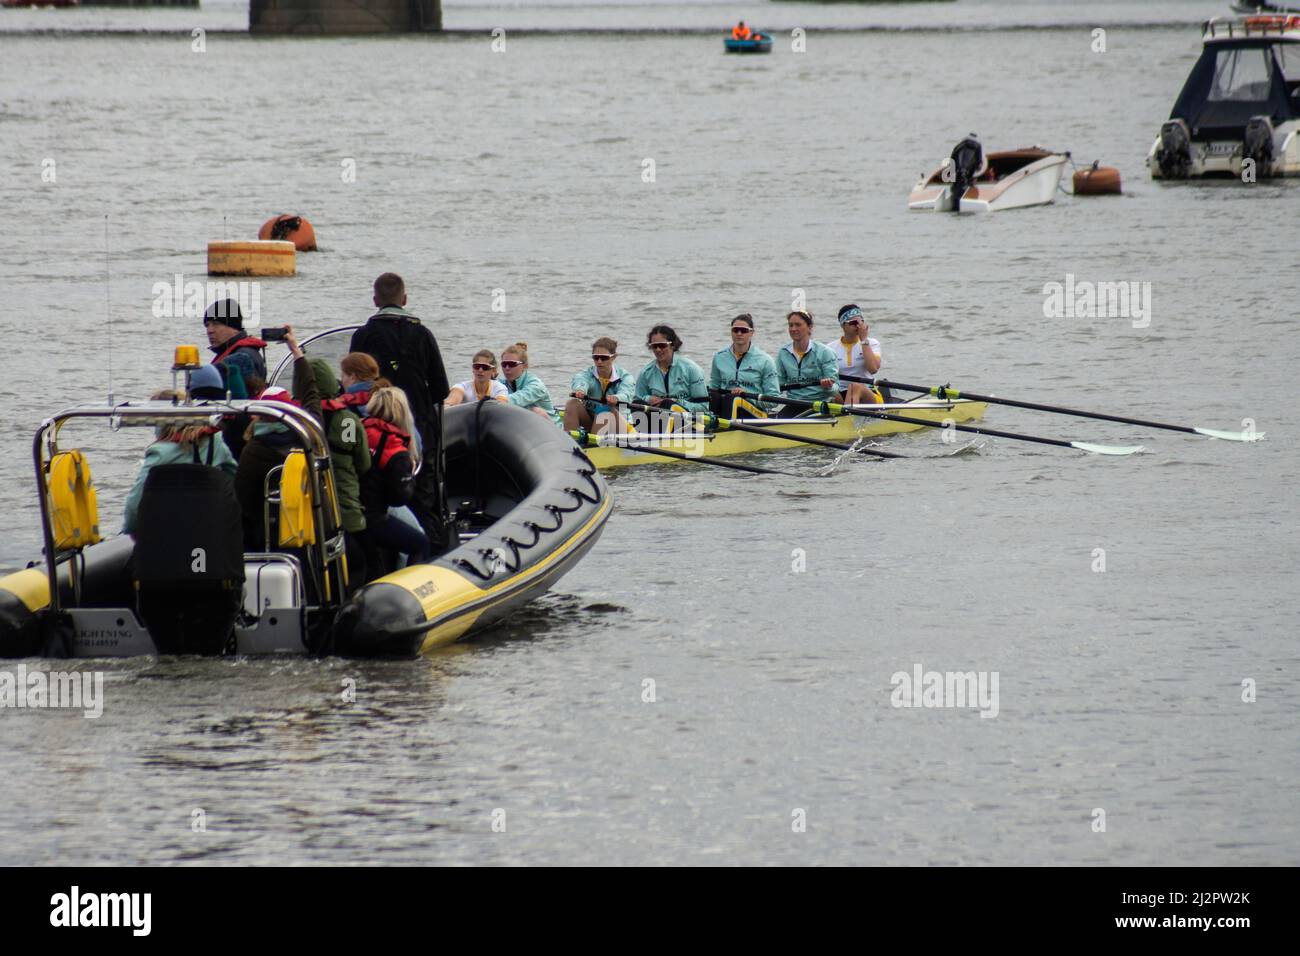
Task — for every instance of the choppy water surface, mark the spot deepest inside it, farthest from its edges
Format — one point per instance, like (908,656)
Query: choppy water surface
(523,171)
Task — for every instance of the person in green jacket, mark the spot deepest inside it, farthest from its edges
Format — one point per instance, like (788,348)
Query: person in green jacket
(743,367)
(671,379)
(317,389)
(605,385)
(811,364)
(177,445)
(526,389)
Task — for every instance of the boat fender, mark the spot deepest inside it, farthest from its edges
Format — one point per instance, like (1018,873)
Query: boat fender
(290,228)
(74,508)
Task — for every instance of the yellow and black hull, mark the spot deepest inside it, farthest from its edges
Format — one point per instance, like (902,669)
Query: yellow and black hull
(531,505)
(845,429)
(494,453)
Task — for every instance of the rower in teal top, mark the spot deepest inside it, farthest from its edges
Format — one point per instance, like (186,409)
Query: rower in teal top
(670,376)
(743,367)
(526,389)
(803,360)
(598,390)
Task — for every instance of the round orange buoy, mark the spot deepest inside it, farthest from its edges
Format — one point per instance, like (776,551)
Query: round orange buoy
(1096,180)
(295,229)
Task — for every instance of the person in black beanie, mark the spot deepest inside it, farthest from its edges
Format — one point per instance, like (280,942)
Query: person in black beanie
(231,346)
(239,358)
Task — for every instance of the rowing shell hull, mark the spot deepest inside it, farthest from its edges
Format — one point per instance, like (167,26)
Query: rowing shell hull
(845,430)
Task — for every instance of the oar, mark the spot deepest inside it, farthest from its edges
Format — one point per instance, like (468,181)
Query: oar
(832,408)
(731,424)
(944,392)
(587,440)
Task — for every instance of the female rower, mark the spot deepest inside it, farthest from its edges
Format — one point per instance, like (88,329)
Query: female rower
(484,383)
(807,369)
(671,379)
(743,367)
(525,389)
(857,354)
(605,385)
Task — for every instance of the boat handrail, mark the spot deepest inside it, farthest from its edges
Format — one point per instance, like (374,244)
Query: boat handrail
(1283,25)
(305,428)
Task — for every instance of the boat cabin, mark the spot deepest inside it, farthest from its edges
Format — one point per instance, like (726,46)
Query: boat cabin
(1247,68)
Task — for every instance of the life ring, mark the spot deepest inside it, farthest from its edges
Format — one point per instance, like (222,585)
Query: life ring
(295,229)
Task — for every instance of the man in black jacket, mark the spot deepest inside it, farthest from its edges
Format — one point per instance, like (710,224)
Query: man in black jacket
(408,356)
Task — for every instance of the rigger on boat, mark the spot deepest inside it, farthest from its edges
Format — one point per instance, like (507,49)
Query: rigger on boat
(526,505)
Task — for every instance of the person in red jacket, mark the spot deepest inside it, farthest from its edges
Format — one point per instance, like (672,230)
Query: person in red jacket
(389,482)
(740,32)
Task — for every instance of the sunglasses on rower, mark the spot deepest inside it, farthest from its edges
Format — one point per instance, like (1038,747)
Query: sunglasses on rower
(740,330)
(657,346)
(483,367)
(601,358)
(507,363)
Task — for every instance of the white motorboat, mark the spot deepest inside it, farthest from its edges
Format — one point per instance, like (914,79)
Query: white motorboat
(1239,112)
(970,181)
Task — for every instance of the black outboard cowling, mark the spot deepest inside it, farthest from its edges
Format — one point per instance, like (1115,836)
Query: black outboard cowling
(1257,144)
(189,558)
(1175,151)
(967,161)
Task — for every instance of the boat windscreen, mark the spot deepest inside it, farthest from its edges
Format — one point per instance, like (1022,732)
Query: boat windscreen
(331,346)
(1230,84)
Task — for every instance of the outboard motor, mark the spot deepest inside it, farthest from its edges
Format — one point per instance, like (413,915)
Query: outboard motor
(1257,144)
(189,558)
(966,163)
(1175,151)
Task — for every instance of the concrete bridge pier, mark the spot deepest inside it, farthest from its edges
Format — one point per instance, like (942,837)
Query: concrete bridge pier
(344,16)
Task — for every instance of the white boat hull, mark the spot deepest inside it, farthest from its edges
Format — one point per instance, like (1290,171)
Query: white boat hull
(1222,159)
(1031,185)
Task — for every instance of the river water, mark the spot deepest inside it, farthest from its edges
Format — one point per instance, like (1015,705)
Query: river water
(769,613)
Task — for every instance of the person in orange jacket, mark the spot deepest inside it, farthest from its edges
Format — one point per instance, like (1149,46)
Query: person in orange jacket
(740,31)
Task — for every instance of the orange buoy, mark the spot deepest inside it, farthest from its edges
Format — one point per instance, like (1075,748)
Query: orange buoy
(1096,180)
(295,229)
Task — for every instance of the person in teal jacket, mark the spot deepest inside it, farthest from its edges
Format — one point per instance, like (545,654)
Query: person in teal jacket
(526,389)
(805,361)
(743,367)
(670,378)
(177,445)
(605,385)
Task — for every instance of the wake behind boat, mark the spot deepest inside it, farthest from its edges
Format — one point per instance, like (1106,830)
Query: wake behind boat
(971,181)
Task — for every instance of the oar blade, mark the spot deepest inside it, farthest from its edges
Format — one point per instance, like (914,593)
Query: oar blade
(1229,436)
(1107,449)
